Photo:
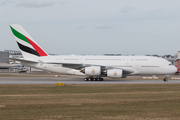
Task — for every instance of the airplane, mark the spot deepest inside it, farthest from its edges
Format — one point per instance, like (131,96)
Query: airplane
(93,67)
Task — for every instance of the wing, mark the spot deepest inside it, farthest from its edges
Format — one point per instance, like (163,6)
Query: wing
(81,66)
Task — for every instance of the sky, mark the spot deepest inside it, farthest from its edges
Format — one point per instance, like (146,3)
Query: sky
(94,27)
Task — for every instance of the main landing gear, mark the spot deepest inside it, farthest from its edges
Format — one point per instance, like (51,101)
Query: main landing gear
(93,79)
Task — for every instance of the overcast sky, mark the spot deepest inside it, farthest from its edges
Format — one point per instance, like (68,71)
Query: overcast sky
(94,26)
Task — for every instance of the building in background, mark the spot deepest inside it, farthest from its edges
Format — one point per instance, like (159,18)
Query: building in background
(177,60)
(170,58)
(4,63)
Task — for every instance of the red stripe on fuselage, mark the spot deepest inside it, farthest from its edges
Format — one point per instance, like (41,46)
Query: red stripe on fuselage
(37,48)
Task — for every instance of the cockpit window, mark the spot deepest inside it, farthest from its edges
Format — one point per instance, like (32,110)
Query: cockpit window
(170,64)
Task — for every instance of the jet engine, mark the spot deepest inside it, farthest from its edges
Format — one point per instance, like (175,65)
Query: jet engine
(92,71)
(115,73)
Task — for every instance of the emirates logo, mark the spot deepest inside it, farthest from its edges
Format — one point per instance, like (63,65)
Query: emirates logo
(93,71)
(115,73)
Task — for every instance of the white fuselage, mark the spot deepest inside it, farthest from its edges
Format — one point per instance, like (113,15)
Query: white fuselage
(140,65)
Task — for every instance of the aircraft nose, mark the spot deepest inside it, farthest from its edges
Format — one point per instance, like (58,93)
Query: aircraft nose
(175,69)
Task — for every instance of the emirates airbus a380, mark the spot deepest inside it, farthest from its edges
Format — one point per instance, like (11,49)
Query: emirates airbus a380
(93,67)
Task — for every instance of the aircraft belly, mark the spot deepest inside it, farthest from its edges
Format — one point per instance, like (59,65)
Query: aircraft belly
(75,72)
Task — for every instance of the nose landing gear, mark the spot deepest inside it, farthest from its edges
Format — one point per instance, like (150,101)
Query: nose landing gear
(165,79)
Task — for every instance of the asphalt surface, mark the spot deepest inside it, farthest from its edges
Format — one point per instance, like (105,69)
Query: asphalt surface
(76,80)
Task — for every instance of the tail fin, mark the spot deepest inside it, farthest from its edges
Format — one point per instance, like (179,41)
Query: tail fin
(29,48)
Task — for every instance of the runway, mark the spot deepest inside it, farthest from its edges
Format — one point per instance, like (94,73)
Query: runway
(76,80)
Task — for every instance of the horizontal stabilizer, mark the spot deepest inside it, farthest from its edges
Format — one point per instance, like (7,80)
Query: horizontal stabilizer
(22,60)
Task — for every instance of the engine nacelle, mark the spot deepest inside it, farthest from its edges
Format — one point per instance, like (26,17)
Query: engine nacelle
(115,73)
(92,71)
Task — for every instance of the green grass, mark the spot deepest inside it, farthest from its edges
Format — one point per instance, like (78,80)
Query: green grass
(123,101)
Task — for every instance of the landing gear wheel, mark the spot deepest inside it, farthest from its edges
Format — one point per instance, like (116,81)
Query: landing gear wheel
(165,79)
(93,79)
(101,79)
